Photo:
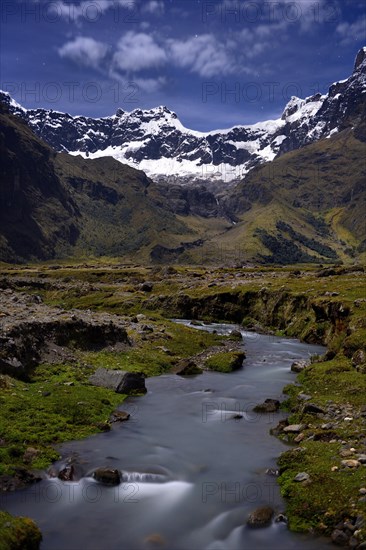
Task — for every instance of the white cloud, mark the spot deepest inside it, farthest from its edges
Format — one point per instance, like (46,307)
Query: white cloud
(84,51)
(349,32)
(154,7)
(150,85)
(253,41)
(144,25)
(203,55)
(138,51)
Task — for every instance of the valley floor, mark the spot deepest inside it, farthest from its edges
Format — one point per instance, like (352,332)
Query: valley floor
(59,323)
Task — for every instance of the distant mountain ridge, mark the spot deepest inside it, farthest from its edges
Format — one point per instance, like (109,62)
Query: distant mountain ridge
(156,142)
(305,206)
(54,205)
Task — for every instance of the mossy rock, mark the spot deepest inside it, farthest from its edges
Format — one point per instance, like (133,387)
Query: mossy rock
(18,533)
(355,342)
(225,361)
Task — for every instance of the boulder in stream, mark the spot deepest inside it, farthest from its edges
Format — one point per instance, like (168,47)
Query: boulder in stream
(299,365)
(268,406)
(67,473)
(188,368)
(261,517)
(108,476)
(119,416)
(120,381)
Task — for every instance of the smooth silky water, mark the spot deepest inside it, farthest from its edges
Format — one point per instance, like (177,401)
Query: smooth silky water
(192,472)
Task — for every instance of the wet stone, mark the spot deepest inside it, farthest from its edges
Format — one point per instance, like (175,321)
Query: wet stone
(119,416)
(261,517)
(269,406)
(339,537)
(294,428)
(107,476)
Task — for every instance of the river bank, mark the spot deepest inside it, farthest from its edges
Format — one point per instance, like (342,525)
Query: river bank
(326,307)
(195,460)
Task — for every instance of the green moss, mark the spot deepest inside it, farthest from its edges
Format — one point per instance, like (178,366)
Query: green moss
(17,533)
(331,495)
(328,496)
(171,343)
(58,404)
(47,412)
(225,361)
(355,341)
(334,380)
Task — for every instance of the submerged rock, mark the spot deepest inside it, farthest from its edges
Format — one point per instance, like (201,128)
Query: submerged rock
(154,540)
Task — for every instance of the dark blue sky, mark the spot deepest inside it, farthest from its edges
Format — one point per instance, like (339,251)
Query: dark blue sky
(215,63)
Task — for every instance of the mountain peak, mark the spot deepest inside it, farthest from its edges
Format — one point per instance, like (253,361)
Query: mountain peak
(162,110)
(292,106)
(154,139)
(360,58)
(6,98)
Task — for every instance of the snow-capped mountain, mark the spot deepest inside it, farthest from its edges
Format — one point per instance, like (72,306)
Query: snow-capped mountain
(156,142)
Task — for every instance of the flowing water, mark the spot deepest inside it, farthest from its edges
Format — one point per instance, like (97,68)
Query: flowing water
(192,472)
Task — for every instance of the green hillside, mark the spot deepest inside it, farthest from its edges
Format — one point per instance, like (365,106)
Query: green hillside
(56,205)
(306,206)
